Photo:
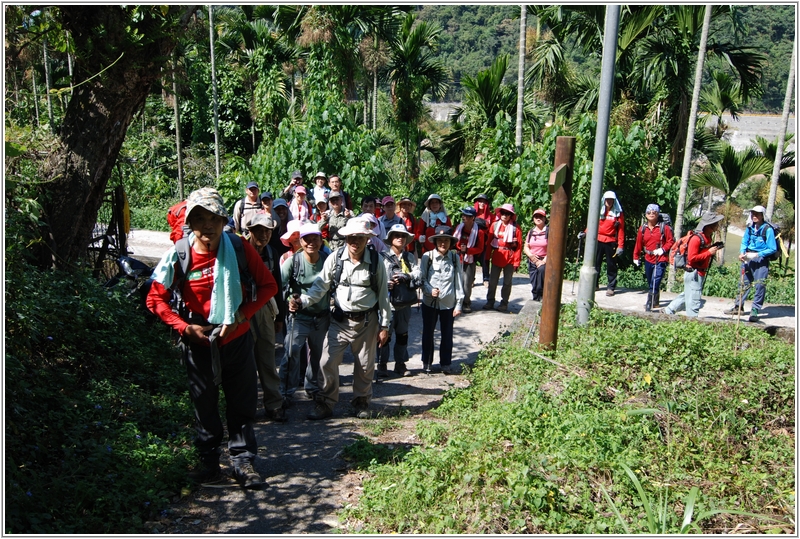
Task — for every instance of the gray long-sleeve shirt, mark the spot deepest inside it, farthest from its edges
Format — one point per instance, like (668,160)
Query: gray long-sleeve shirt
(444,273)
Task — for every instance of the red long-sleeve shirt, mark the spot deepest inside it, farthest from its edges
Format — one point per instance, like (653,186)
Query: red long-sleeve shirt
(650,239)
(477,249)
(505,253)
(696,257)
(197,287)
(611,229)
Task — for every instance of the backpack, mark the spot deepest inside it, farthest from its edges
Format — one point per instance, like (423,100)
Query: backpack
(530,233)
(664,220)
(482,224)
(403,294)
(298,271)
(176,218)
(373,269)
(184,251)
(763,233)
(678,255)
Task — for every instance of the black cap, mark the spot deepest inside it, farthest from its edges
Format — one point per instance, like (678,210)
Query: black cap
(482,196)
(296,174)
(252,184)
(266,194)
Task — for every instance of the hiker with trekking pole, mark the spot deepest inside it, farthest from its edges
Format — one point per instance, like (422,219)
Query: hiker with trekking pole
(655,238)
(758,248)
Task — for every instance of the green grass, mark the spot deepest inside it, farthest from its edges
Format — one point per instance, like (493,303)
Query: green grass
(531,445)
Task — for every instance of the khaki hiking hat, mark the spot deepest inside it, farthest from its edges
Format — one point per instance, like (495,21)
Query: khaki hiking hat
(356,227)
(442,232)
(709,218)
(260,219)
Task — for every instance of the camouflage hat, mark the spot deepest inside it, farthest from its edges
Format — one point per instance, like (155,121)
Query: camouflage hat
(207,198)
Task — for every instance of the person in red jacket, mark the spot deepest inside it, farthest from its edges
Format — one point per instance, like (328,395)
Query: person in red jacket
(655,238)
(484,211)
(610,238)
(215,333)
(405,210)
(434,215)
(505,240)
(469,244)
(699,254)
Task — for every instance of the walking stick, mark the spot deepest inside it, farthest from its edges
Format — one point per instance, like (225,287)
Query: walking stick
(577,258)
(291,344)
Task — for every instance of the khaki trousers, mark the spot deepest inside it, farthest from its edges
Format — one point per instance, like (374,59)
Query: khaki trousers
(361,336)
(262,328)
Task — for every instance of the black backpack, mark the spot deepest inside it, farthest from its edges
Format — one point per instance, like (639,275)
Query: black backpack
(184,250)
(763,233)
(298,271)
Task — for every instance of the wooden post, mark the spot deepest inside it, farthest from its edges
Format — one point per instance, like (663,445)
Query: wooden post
(561,189)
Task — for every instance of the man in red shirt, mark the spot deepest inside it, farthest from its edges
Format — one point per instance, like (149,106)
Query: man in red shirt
(215,332)
(699,254)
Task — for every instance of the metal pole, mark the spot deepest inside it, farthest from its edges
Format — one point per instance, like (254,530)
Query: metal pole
(588,274)
(561,188)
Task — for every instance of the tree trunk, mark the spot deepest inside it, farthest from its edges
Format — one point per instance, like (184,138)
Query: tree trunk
(48,86)
(521,74)
(214,87)
(35,97)
(787,104)
(374,99)
(76,173)
(177,108)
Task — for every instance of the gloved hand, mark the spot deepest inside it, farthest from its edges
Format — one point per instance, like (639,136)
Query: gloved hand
(581,235)
(619,252)
(636,262)
(422,238)
(751,256)
(658,252)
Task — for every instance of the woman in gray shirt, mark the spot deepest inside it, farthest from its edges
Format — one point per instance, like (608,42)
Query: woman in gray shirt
(442,295)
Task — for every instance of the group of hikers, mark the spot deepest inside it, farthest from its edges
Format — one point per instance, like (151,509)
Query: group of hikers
(325,276)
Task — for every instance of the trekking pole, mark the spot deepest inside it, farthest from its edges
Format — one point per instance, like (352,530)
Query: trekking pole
(577,258)
(288,352)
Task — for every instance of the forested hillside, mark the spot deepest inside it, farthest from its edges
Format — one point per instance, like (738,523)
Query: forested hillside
(474,35)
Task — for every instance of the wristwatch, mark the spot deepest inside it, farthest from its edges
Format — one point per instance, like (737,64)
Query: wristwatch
(239,317)
(384,328)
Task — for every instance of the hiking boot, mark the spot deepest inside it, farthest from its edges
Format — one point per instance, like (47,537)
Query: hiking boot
(321,411)
(448,369)
(466,309)
(489,306)
(277,414)
(426,368)
(734,311)
(361,408)
(287,402)
(648,306)
(400,369)
(205,473)
(503,307)
(753,315)
(382,371)
(246,475)
(610,292)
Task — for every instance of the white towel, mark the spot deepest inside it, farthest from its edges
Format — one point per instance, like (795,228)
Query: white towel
(473,237)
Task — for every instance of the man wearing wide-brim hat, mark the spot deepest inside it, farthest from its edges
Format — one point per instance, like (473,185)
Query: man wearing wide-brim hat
(361,318)
(216,341)
(699,254)
(758,245)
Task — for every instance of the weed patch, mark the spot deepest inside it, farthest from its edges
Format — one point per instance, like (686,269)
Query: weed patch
(629,427)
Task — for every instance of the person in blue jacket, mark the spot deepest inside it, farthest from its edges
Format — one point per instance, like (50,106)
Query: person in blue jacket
(758,243)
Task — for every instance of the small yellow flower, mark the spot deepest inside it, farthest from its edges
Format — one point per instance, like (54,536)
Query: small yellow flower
(647,379)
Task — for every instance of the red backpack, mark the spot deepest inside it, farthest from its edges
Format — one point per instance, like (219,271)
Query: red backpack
(679,253)
(176,217)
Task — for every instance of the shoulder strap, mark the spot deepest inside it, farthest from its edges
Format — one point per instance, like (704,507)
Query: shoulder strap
(184,251)
(373,268)
(241,211)
(337,271)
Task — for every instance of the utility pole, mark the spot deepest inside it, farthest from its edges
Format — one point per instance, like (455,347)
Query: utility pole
(588,275)
(787,105)
(687,152)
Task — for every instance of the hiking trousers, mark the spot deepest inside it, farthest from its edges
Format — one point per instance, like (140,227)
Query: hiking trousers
(469,280)
(361,336)
(241,399)
(445,317)
(536,275)
(607,249)
(756,272)
(303,330)
(262,327)
(691,295)
(399,328)
(508,279)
